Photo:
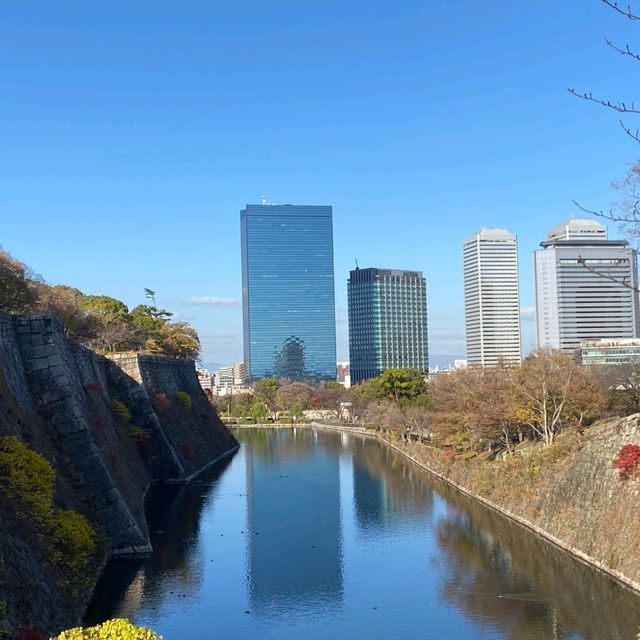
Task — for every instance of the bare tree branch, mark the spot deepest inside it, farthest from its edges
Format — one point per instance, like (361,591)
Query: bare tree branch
(607,276)
(621,107)
(625,52)
(626,12)
(634,135)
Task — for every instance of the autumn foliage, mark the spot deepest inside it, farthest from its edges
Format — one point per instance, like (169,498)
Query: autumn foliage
(628,461)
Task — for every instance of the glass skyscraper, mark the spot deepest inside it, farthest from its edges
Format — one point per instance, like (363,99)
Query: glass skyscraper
(288,300)
(387,321)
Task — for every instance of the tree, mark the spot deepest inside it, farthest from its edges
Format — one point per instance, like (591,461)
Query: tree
(265,391)
(551,390)
(66,304)
(111,309)
(179,340)
(627,211)
(477,401)
(621,384)
(386,414)
(401,384)
(259,410)
(17,287)
(294,394)
(330,398)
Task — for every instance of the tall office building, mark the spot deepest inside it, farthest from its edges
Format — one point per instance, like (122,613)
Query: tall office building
(580,295)
(387,321)
(288,300)
(491,297)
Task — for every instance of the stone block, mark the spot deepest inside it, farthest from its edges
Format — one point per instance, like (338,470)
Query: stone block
(37,326)
(54,359)
(60,380)
(57,371)
(72,442)
(36,340)
(70,427)
(41,351)
(40,364)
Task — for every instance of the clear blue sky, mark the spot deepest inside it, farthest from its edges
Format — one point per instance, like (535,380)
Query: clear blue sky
(132,134)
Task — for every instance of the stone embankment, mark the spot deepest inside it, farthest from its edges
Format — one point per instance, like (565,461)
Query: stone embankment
(109,427)
(570,494)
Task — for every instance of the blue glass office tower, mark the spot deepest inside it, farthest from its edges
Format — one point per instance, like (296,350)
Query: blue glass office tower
(288,300)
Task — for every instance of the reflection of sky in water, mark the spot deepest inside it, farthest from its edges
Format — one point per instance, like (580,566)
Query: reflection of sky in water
(316,535)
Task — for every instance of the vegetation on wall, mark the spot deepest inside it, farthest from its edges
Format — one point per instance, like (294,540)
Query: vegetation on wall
(100,322)
(67,541)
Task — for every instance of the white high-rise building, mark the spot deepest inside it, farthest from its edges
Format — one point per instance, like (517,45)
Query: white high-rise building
(491,297)
(586,286)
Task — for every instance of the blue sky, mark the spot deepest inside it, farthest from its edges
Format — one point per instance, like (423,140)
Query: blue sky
(132,134)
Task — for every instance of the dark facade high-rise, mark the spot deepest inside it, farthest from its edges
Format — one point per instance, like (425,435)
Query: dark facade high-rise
(288,299)
(387,321)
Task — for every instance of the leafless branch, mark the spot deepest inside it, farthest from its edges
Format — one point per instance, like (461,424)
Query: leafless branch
(626,12)
(607,276)
(625,52)
(632,217)
(634,135)
(621,107)
(600,214)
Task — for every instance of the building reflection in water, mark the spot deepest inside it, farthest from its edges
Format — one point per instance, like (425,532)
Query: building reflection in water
(295,546)
(387,491)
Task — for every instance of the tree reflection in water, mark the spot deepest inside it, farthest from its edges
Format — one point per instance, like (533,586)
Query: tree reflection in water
(387,490)
(514,581)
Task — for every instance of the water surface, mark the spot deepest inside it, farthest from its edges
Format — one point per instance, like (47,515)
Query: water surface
(312,535)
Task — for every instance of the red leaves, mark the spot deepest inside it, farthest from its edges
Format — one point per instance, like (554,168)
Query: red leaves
(32,632)
(95,388)
(186,451)
(628,461)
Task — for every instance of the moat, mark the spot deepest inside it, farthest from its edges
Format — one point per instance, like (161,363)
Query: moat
(311,534)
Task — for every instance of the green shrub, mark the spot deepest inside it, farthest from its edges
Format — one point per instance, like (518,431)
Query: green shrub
(121,410)
(184,399)
(73,538)
(26,479)
(118,629)
(66,539)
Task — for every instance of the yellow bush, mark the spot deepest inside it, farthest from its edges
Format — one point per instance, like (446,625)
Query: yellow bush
(184,399)
(118,629)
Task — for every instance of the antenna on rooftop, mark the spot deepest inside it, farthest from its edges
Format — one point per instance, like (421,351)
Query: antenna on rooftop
(357,267)
(264,200)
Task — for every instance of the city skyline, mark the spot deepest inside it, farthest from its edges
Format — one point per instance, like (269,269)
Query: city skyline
(125,166)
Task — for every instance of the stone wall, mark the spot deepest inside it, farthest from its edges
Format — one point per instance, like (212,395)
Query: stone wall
(61,400)
(573,498)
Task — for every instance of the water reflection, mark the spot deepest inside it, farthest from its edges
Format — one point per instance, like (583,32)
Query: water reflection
(293,498)
(319,535)
(174,513)
(528,589)
(387,492)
